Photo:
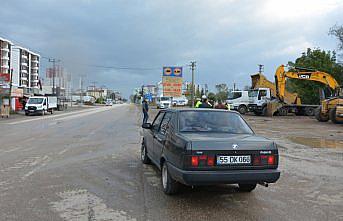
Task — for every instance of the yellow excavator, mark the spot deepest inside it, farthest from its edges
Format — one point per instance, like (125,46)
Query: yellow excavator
(330,107)
(264,99)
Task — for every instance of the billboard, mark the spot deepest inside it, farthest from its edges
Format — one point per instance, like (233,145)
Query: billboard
(172,81)
(4,77)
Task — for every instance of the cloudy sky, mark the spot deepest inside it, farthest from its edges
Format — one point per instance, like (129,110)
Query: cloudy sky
(227,38)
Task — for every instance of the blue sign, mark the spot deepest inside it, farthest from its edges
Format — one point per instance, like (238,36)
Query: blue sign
(172,71)
(148,96)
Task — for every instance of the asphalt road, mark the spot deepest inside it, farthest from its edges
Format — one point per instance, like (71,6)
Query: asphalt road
(84,165)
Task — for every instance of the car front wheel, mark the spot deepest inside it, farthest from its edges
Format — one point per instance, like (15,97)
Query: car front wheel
(169,185)
(246,187)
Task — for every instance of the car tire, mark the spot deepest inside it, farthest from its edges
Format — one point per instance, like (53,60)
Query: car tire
(309,111)
(169,185)
(144,155)
(246,187)
(51,112)
(333,117)
(242,109)
(26,114)
(319,116)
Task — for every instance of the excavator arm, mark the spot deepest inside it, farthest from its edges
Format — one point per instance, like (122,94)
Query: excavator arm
(281,77)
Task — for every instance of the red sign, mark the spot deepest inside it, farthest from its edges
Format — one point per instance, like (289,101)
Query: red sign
(5,77)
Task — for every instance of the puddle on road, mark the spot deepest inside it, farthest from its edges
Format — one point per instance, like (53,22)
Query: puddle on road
(317,142)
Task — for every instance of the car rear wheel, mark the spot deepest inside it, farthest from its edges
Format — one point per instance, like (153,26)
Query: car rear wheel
(246,187)
(169,185)
(144,156)
(242,109)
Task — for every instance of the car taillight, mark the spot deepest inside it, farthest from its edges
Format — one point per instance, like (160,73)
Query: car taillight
(195,161)
(202,160)
(210,161)
(262,160)
(271,160)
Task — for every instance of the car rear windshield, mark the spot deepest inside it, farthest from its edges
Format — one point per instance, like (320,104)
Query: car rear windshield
(213,121)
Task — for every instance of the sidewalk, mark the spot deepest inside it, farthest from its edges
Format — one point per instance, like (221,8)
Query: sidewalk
(21,114)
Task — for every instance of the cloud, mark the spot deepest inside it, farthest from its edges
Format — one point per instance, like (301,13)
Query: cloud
(226,38)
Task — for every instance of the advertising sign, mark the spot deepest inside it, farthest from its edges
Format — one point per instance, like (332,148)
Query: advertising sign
(4,77)
(172,81)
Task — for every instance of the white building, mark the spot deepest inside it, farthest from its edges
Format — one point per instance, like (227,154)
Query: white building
(5,56)
(25,65)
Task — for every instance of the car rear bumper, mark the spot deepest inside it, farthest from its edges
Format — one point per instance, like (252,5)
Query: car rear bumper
(223,177)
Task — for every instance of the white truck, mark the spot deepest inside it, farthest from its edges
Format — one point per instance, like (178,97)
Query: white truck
(239,101)
(40,105)
(163,102)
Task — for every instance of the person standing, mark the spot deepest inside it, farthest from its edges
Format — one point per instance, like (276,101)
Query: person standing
(220,105)
(145,109)
(205,103)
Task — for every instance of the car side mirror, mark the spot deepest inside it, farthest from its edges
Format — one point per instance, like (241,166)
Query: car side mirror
(147,126)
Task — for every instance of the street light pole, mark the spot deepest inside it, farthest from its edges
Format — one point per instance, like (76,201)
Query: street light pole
(193,65)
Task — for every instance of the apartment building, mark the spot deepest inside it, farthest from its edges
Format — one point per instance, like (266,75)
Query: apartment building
(5,57)
(25,66)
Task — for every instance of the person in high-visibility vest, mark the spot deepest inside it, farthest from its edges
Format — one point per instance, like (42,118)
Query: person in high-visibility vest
(198,103)
(205,103)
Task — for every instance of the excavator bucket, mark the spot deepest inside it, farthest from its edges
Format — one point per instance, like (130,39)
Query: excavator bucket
(260,81)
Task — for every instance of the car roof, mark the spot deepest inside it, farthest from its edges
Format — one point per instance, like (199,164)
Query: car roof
(197,110)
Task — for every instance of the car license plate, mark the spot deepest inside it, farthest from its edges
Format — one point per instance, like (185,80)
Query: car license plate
(222,160)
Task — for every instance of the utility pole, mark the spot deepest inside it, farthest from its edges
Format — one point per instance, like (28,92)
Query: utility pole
(81,89)
(53,60)
(193,65)
(260,68)
(10,94)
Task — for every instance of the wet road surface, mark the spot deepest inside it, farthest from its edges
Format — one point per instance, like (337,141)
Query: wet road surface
(85,166)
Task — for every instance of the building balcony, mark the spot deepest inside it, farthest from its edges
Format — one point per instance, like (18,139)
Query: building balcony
(24,56)
(35,80)
(34,73)
(23,71)
(5,66)
(5,49)
(24,64)
(6,58)
(23,78)
(35,68)
(35,61)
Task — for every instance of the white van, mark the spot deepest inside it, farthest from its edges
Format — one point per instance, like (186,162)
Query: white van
(40,104)
(163,102)
(239,100)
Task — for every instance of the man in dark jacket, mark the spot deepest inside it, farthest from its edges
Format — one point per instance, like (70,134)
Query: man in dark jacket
(145,109)
(205,103)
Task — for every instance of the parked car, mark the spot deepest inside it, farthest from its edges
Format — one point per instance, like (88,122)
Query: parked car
(208,147)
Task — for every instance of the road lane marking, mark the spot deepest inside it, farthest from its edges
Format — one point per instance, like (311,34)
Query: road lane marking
(47,117)
(61,116)
(41,163)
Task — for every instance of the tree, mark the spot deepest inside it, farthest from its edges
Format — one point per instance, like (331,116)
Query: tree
(222,92)
(211,96)
(337,31)
(319,60)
